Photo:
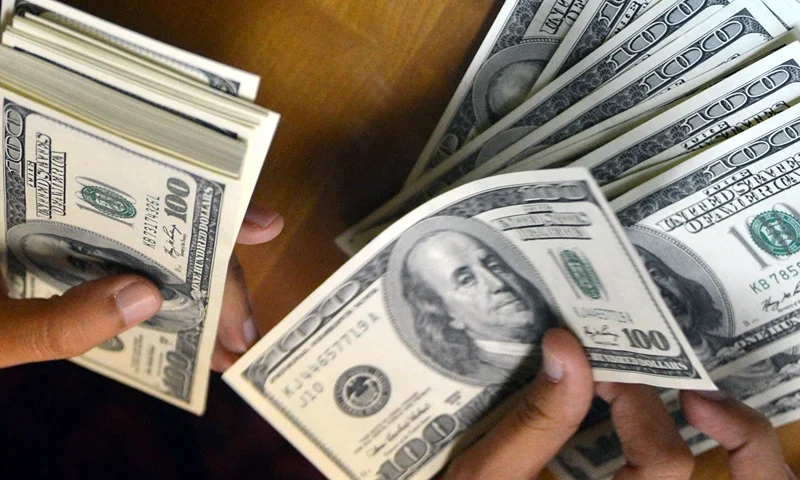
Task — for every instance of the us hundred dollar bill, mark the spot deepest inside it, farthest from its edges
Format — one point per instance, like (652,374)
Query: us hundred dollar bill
(614,57)
(502,74)
(738,197)
(574,147)
(630,181)
(599,21)
(405,349)
(741,27)
(737,28)
(752,95)
(216,75)
(79,204)
(771,386)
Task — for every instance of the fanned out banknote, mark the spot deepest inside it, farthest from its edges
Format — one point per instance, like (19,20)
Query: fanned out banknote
(87,192)
(741,101)
(614,57)
(433,325)
(632,180)
(741,27)
(737,197)
(573,104)
(506,69)
(599,20)
(581,144)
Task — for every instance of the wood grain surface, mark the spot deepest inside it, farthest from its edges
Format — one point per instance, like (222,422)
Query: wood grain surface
(360,85)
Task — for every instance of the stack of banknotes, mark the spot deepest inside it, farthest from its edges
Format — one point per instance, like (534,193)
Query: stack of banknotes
(122,154)
(669,244)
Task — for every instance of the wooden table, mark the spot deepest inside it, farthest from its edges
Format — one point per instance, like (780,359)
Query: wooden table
(360,85)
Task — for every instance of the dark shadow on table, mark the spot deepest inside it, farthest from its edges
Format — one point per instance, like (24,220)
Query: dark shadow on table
(62,422)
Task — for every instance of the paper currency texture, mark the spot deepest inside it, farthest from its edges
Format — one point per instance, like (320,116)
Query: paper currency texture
(423,333)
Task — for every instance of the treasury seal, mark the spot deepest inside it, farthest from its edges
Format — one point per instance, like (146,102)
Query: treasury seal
(362,391)
(777,233)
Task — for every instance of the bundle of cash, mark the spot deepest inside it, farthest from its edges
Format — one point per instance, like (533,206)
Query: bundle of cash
(684,115)
(122,154)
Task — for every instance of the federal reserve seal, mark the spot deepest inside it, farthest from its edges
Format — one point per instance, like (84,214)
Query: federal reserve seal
(775,232)
(362,391)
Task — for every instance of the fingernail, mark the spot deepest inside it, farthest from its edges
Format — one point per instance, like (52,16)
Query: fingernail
(237,348)
(261,217)
(137,303)
(250,332)
(553,367)
(716,395)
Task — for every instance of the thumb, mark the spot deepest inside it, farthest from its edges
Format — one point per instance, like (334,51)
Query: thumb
(547,414)
(35,330)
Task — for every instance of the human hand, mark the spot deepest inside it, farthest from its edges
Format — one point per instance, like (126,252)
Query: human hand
(549,412)
(34,330)
(653,448)
(754,451)
(546,415)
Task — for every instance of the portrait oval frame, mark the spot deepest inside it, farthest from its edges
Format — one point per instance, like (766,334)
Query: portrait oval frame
(17,233)
(400,313)
(525,52)
(685,262)
(502,141)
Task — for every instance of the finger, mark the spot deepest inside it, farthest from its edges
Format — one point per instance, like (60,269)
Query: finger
(748,436)
(237,328)
(261,224)
(651,444)
(547,414)
(69,325)
(222,359)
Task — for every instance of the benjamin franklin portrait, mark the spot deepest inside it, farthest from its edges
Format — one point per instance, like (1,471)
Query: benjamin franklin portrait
(464,299)
(65,257)
(689,290)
